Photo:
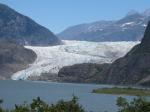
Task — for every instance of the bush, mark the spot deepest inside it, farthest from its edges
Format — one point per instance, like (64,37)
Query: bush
(139,104)
(38,105)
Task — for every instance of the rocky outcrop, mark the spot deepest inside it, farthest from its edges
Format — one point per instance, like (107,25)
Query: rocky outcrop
(82,73)
(52,77)
(133,68)
(23,30)
(13,58)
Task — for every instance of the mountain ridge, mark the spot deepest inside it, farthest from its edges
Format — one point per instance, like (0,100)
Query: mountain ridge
(23,30)
(118,30)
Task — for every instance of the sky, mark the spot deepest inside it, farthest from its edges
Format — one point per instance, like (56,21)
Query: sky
(57,15)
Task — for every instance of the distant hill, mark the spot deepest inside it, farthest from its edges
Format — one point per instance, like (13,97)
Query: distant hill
(23,30)
(13,58)
(132,69)
(129,28)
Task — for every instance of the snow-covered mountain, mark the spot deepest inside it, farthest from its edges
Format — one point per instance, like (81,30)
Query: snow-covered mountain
(129,28)
(51,59)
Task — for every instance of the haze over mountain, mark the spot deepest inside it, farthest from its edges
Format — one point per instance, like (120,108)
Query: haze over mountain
(23,30)
(133,68)
(129,28)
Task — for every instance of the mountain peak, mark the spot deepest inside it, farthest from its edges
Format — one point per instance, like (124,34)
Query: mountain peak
(146,12)
(3,5)
(132,12)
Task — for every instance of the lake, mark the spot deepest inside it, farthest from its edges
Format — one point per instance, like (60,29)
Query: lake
(16,92)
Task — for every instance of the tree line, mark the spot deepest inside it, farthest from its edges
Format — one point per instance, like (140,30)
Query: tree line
(139,104)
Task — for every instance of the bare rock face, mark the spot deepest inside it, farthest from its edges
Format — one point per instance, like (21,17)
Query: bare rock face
(83,73)
(134,68)
(13,58)
(23,30)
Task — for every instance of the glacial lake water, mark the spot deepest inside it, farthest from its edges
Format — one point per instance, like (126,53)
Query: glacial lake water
(16,92)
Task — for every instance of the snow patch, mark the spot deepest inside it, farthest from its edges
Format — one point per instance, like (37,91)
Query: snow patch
(127,24)
(144,25)
(94,28)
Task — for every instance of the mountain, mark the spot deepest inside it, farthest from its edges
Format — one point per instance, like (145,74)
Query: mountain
(23,30)
(129,28)
(13,58)
(133,68)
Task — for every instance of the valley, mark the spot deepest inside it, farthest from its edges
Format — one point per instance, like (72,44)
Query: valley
(52,58)
(74,56)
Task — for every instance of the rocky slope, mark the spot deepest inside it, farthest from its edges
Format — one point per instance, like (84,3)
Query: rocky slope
(82,73)
(23,30)
(13,58)
(129,28)
(133,68)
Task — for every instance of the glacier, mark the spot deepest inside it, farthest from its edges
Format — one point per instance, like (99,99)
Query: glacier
(51,59)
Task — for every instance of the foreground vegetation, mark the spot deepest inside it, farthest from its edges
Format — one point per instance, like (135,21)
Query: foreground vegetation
(123,91)
(38,105)
(138,104)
